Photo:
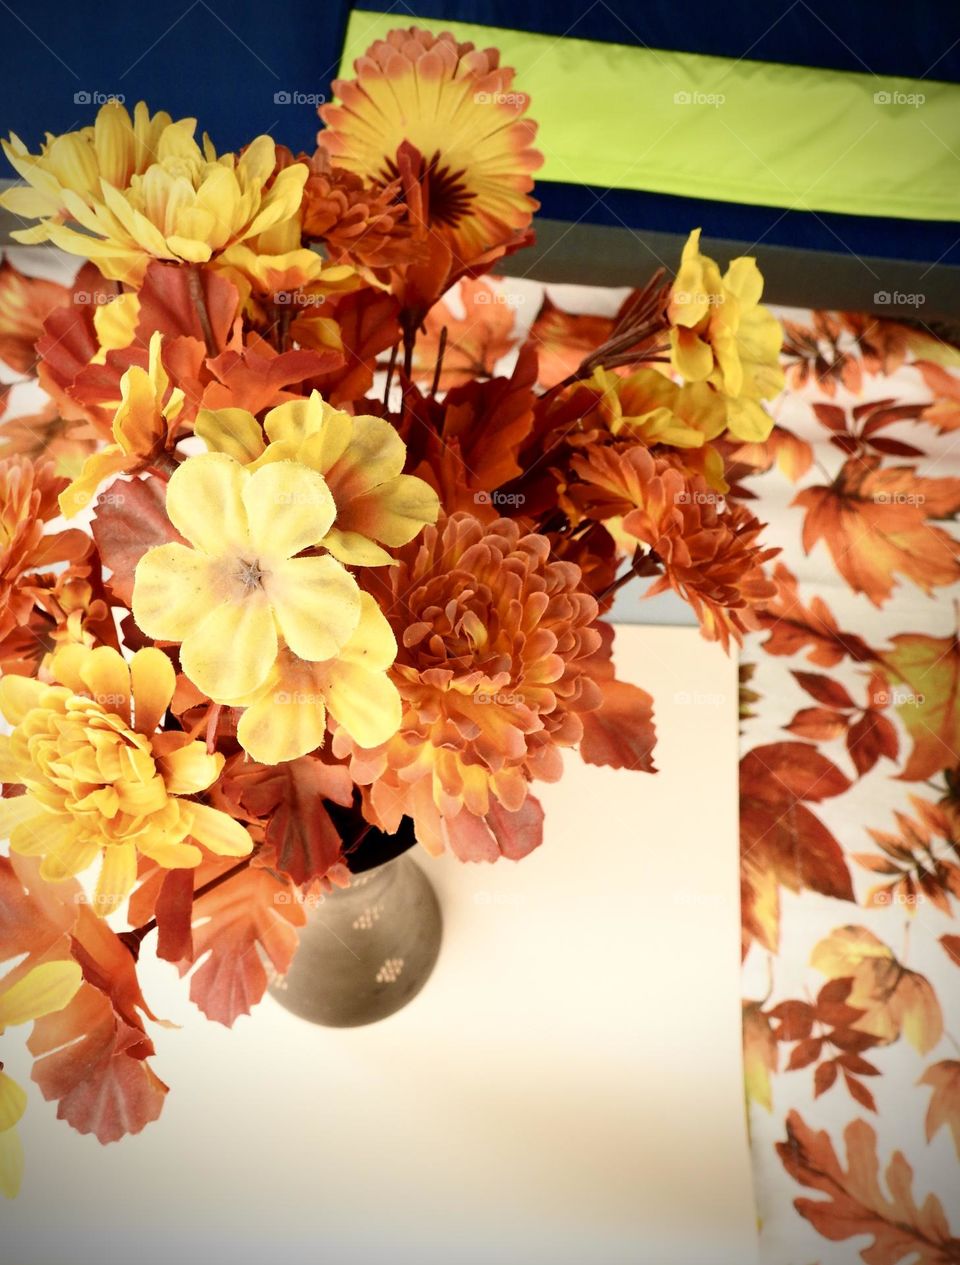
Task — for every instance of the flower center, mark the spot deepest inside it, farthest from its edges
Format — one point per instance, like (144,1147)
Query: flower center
(447,196)
(249,574)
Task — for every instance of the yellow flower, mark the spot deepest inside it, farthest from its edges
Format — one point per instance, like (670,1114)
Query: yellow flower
(361,458)
(144,425)
(143,188)
(648,406)
(287,716)
(720,333)
(41,991)
(99,783)
(457,106)
(231,596)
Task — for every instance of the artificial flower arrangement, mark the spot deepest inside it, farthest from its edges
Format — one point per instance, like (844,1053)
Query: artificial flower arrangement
(317,593)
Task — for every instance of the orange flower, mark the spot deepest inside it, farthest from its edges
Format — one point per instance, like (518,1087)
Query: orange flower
(707,546)
(491,670)
(28,500)
(455,105)
(359,223)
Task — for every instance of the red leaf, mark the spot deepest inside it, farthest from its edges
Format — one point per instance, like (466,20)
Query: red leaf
(167,303)
(620,733)
(824,1077)
(804,1054)
(824,689)
(796,1020)
(174,915)
(130,518)
(871,737)
(952,946)
(860,1092)
(819,724)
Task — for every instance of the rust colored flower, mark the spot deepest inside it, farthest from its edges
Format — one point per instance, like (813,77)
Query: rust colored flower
(25,303)
(28,501)
(707,546)
(360,223)
(494,638)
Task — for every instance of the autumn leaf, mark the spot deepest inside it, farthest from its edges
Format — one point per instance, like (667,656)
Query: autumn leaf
(792,456)
(367,324)
(895,1001)
(856,1203)
(944,1109)
(90,1056)
(474,342)
(874,522)
(794,627)
(929,707)
(257,377)
(130,518)
(952,946)
(620,733)
(782,841)
(25,303)
(760,1055)
(244,922)
(562,340)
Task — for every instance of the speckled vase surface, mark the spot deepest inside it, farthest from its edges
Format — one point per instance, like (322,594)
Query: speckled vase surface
(366,950)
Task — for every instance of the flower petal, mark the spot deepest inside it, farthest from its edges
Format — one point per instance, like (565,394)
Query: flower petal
(283,724)
(153,680)
(105,674)
(205,503)
(289,507)
(171,590)
(118,873)
(317,605)
(44,989)
(218,831)
(190,768)
(233,431)
(231,651)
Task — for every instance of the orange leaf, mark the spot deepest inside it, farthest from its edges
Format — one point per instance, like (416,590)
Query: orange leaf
(760,1054)
(25,303)
(475,341)
(944,1109)
(794,627)
(856,1203)
(562,340)
(874,522)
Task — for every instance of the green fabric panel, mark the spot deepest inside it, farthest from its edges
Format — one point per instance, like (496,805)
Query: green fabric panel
(735,131)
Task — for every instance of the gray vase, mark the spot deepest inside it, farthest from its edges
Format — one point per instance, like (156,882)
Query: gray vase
(366,950)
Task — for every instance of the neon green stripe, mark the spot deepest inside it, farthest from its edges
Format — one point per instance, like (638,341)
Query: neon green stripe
(783,136)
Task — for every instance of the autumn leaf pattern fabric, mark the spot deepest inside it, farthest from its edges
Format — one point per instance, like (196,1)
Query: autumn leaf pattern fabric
(850,775)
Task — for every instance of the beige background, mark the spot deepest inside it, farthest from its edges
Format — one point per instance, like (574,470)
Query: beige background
(567,1088)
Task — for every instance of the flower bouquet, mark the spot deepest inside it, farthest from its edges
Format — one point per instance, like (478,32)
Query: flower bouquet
(328,576)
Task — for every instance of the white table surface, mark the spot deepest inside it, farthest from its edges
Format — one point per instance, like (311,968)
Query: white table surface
(567,1088)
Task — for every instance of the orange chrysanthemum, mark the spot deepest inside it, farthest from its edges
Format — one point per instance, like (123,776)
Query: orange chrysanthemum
(491,670)
(28,500)
(707,546)
(455,104)
(359,223)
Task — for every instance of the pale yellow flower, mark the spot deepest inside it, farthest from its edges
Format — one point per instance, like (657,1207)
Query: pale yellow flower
(41,991)
(361,458)
(126,191)
(239,588)
(287,716)
(99,781)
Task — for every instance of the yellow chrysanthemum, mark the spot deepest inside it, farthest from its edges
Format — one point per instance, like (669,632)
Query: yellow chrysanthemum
(145,424)
(721,333)
(41,991)
(648,406)
(361,459)
(456,105)
(99,781)
(287,716)
(240,587)
(123,192)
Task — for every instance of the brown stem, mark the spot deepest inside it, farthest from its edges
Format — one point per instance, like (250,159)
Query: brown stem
(641,564)
(390,368)
(438,368)
(199,300)
(133,939)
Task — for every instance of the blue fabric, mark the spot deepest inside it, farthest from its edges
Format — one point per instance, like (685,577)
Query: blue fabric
(884,37)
